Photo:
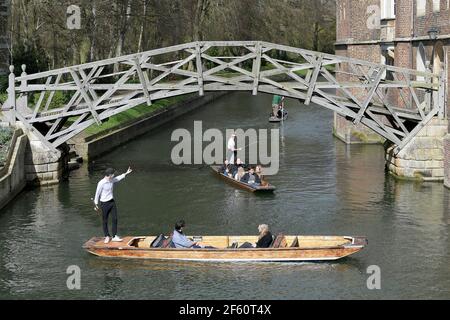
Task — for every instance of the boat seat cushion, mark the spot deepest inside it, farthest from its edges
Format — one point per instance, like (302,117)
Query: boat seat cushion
(234,245)
(167,243)
(158,241)
(295,243)
(280,241)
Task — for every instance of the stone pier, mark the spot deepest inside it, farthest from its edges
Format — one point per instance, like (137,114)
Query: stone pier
(447,160)
(423,157)
(354,134)
(43,166)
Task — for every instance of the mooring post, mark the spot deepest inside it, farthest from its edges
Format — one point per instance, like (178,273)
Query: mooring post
(11,112)
(22,100)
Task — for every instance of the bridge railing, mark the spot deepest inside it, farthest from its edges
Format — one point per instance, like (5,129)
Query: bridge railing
(394,102)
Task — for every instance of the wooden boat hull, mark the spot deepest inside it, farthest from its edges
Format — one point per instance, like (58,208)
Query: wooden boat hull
(242,185)
(129,250)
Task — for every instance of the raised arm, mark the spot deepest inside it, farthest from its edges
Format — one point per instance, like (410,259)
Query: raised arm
(122,176)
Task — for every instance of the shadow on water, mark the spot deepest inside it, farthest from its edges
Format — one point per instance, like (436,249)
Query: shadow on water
(128,265)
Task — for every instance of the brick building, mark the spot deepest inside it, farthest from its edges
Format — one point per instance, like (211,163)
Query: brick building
(393,32)
(4,51)
(413,34)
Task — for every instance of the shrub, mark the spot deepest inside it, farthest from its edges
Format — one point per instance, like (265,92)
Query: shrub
(3,83)
(5,138)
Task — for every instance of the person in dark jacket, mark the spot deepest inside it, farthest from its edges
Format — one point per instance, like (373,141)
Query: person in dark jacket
(225,168)
(265,239)
(251,178)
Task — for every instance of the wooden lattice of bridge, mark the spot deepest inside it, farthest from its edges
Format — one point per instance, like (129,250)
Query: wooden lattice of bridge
(394,102)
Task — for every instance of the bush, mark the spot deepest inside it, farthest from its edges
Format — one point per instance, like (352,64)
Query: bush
(35,59)
(5,135)
(3,83)
(5,138)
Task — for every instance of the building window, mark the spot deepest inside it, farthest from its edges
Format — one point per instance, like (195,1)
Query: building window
(388,9)
(387,58)
(421,7)
(436,6)
(421,61)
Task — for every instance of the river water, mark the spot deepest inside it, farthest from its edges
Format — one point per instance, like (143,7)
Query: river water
(324,188)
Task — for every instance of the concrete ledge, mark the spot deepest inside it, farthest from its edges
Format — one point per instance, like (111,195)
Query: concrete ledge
(93,147)
(12,178)
(447,161)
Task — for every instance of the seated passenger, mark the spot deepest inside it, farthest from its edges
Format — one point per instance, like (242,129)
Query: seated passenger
(265,238)
(240,173)
(180,240)
(251,178)
(241,164)
(280,113)
(224,169)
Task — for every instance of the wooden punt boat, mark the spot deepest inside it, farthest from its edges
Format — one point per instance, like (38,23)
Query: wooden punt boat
(243,185)
(309,248)
(276,119)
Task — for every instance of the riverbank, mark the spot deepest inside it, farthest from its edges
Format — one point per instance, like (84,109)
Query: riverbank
(12,172)
(6,135)
(97,140)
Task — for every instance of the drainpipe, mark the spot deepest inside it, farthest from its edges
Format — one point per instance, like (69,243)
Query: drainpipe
(412,33)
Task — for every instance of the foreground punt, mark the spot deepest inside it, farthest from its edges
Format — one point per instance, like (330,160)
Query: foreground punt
(243,185)
(292,248)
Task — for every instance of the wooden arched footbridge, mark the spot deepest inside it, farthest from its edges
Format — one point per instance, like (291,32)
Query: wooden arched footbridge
(394,102)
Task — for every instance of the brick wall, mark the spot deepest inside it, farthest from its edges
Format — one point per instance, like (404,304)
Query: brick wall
(343,20)
(439,19)
(4,52)
(361,29)
(403,19)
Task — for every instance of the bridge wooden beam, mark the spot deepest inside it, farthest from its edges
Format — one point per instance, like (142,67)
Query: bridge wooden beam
(52,93)
(256,68)
(312,82)
(143,80)
(370,95)
(86,97)
(41,98)
(199,64)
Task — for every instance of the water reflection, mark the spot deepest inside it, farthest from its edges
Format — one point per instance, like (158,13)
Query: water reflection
(324,187)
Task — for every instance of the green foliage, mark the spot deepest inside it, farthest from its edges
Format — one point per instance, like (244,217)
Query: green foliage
(5,138)
(5,135)
(34,58)
(3,97)
(3,83)
(60,98)
(132,115)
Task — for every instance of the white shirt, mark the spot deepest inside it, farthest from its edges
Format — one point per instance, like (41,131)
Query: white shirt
(105,189)
(231,145)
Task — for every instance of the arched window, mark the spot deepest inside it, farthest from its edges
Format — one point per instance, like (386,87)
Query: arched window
(438,59)
(421,61)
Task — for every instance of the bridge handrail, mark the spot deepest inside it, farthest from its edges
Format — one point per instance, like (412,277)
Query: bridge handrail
(192,45)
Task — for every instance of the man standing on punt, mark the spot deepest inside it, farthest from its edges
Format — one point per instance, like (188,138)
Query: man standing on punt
(104,195)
